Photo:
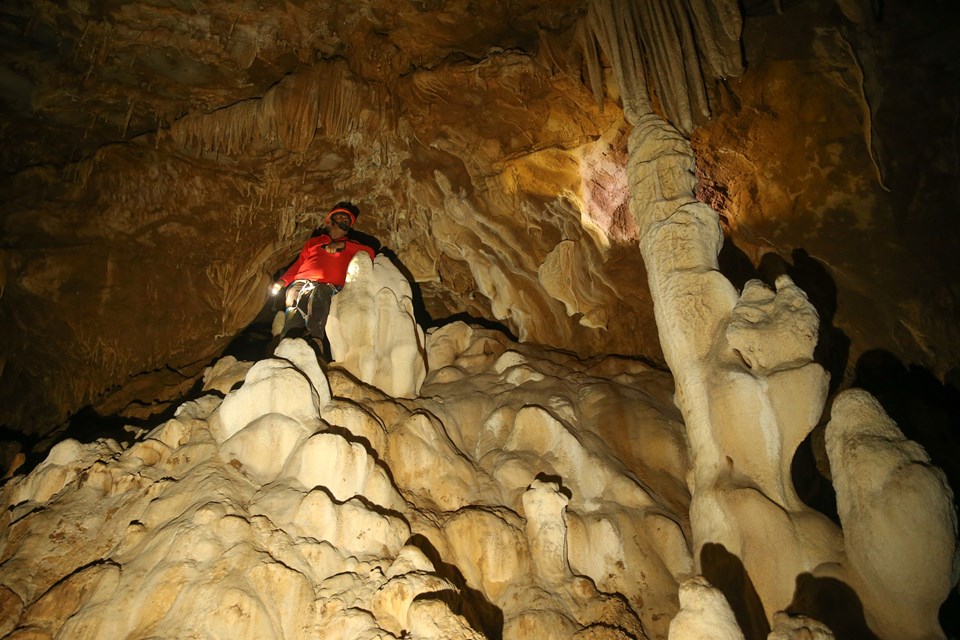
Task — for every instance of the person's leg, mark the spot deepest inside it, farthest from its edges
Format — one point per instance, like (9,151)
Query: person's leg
(319,309)
(292,317)
(317,318)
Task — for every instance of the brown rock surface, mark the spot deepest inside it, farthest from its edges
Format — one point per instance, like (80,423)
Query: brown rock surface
(161,163)
(163,160)
(833,152)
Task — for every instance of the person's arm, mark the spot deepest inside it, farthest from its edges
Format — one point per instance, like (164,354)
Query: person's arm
(333,246)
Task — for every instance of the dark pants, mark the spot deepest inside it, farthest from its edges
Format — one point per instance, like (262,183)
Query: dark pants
(308,305)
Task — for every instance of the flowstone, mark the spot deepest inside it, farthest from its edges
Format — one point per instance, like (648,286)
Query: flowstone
(305,503)
(750,393)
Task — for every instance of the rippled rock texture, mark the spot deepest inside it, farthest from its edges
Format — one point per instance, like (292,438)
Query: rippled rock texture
(163,160)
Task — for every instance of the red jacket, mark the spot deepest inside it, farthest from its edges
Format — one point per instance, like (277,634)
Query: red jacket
(314,263)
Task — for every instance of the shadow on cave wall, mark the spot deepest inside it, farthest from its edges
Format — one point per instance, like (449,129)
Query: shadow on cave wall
(926,410)
(423,317)
(726,572)
(833,346)
(85,426)
(827,600)
(481,614)
(833,603)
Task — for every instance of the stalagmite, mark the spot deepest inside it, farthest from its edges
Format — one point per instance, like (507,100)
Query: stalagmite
(704,614)
(372,329)
(787,627)
(543,507)
(750,393)
(898,519)
(305,502)
(747,384)
(456,483)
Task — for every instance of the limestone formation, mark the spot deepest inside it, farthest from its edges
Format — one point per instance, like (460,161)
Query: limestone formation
(787,627)
(773,330)
(163,163)
(741,459)
(523,164)
(522,492)
(750,393)
(683,46)
(372,329)
(307,503)
(898,517)
(704,614)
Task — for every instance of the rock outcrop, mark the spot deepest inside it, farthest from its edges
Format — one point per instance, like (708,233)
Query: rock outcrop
(898,517)
(750,393)
(372,329)
(529,165)
(523,493)
(491,504)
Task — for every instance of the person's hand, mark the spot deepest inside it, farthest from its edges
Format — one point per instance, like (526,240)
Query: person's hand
(334,247)
(275,288)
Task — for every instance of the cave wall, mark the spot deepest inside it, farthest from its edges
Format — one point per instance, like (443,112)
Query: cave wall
(165,161)
(175,236)
(836,153)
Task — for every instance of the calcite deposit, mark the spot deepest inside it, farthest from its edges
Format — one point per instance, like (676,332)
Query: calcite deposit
(518,492)
(162,161)
(307,503)
(631,257)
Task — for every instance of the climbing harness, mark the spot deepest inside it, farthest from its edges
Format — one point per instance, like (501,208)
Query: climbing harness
(305,299)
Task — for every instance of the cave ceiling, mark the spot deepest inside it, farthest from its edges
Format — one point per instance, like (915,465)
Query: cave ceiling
(163,160)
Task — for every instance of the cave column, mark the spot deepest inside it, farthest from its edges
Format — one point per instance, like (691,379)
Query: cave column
(746,401)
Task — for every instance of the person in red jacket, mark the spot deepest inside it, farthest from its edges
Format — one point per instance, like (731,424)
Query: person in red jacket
(319,273)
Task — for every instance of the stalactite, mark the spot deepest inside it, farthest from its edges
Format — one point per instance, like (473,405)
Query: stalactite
(327,97)
(79,172)
(618,41)
(750,393)
(660,40)
(228,130)
(290,110)
(681,43)
(343,99)
(332,107)
(692,75)
(591,59)
(630,45)
(127,118)
(717,25)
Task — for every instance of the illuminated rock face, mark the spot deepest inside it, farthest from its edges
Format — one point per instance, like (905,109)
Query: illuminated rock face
(750,393)
(540,495)
(172,161)
(304,504)
(500,488)
(898,518)
(372,329)
(543,495)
